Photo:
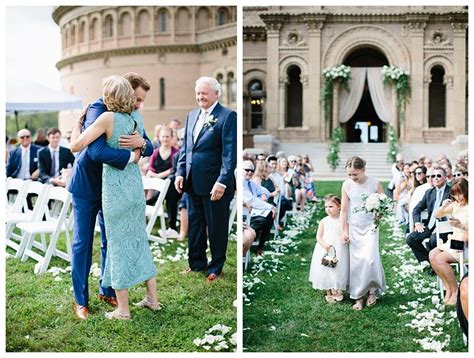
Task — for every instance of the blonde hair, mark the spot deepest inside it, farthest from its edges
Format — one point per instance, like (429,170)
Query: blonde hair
(118,94)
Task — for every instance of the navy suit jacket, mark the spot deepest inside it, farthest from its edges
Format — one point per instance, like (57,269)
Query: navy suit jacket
(14,160)
(428,202)
(86,179)
(213,157)
(44,162)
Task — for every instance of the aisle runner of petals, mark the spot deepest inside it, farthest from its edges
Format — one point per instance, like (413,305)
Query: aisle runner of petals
(427,314)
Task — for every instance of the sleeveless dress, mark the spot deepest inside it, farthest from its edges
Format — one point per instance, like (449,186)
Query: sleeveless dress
(129,260)
(365,266)
(462,214)
(323,277)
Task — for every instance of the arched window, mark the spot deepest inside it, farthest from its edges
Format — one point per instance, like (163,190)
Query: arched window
(94,30)
(125,24)
(437,98)
(73,35)
(294,98)
(161,21)
(82,32)
(108,26)
(231,88)
(257,101)
(203,19)
(222,16)
(143,23)
(182,20)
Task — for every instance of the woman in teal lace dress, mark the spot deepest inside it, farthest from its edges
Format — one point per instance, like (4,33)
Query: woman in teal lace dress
(129,260)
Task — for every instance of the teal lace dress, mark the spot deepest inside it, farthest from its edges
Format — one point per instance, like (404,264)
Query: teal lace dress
(129,260)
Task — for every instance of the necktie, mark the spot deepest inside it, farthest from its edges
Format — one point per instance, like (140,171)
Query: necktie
(435,207)
(53,164)
(250,186)
(25,164)
(199,125)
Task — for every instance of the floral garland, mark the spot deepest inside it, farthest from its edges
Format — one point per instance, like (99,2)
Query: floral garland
(399,78)
(392,145)
(333,153)
(340,73)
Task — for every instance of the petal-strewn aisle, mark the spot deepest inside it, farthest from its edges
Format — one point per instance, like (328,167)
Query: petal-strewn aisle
(283,313)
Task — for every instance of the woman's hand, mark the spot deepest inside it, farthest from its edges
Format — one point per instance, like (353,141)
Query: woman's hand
(345,237)
(446,202)
(138,154)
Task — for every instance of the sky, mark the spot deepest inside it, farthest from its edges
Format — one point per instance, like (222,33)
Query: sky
(32,45)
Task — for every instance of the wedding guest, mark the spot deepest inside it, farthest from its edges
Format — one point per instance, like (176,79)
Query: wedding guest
(366,273)
(53,159)
(262,178)
(448,168)
(156,138)
(308,166)
(396,170)
(460,172)
(401,194)
(285,202)
(161,166)
(175,124)
(428,163)
(332,279)
(41,139)
(431,201)
(248,237)
(423,186)
(261,157)
(23,160)
(421,160)
(443,255)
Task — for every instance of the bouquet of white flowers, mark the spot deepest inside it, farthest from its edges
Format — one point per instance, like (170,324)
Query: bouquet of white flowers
(378,204)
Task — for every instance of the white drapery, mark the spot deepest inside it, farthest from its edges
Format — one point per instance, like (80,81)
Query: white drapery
(349,101)
(380,94)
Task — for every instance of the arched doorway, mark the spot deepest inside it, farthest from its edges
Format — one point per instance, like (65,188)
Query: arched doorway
(365,125)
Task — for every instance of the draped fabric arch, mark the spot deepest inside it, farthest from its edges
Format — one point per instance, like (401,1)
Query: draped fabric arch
(381,95)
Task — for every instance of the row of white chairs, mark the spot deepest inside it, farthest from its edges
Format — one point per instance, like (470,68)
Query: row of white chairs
(51,214)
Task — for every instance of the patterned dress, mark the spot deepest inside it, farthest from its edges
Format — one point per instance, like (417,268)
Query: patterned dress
(129,260)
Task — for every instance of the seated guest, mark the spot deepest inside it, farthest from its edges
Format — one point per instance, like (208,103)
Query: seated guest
(23,160)
(396,170)
(248,237)
(286,202)
(261,213)
(161,166)
(428,163)
(424,185)
(53,159)
(462,304)
(156,138)
(460,172)
(261,177)
(448,168)
(443,255)
(432,200)
(401,194)
(41,138)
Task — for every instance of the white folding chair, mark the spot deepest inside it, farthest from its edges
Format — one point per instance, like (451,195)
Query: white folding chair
(233,213)
(25,215)
(444,227)
(54,226)
(14,202)
(276,222)
(153,211)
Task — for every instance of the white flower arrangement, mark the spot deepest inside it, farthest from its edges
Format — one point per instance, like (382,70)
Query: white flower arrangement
(379,204)
(394,73)
(335,72)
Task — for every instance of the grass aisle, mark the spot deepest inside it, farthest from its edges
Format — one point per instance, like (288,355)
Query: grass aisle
(284,313)
(39,313)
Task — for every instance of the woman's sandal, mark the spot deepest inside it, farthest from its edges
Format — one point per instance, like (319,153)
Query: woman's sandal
(330,299)
(117,315)
(152,306)
(358,304)
(371,300)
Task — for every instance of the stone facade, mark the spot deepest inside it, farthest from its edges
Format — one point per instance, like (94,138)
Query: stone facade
(170,46)
(419,39)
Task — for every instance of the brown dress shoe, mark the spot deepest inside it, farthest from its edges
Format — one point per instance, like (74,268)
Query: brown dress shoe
(213,276)
(81,312)
(110,300)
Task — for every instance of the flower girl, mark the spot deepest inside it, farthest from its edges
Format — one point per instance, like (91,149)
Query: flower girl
(329,242)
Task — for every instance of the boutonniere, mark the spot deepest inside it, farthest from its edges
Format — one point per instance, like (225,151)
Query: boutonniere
(210,121)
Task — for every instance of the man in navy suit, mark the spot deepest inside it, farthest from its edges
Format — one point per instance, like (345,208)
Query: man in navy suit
(23,160)
(86,189)
(206,172)
(432,200)
(53,158)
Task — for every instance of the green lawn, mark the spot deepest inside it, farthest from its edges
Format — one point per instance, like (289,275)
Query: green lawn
(39,313)
(286,314)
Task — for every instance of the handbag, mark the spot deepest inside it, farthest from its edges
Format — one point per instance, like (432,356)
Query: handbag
(328,260)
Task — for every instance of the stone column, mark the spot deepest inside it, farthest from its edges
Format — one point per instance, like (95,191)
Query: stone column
(172,23)
(415,116)
(306,102)
(272,106)
(426,101)
(458,114)
(452,121)
(282,83)
(315,120)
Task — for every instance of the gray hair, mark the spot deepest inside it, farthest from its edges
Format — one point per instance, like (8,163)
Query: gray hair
(211,81)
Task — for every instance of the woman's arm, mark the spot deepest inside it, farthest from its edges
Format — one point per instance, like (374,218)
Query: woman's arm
(102,125)
(319,236)
(445,209)
(344,208)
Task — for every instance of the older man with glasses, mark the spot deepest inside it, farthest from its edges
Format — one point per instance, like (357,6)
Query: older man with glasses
(431,201)
(23,160)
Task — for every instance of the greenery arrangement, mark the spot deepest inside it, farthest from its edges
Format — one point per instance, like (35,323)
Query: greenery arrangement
(340,73)
(399,78)
(333,153)
(393,148)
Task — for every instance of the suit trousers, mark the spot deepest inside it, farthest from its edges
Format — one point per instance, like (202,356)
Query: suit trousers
(262,226)
(211,217)
(415,241)
(85,214)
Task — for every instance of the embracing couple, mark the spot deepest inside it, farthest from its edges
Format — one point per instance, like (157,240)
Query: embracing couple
(106,181)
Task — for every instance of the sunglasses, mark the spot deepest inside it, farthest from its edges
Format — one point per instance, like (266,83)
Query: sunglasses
(25,136)
(458,175)
(436,176)
(418,173)
(249,170)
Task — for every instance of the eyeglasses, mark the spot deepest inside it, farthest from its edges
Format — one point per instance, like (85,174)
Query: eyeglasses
(292,161)
(249,170)
(418,173)
(436,176)
(458,174)
(411,172)
(25,136)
